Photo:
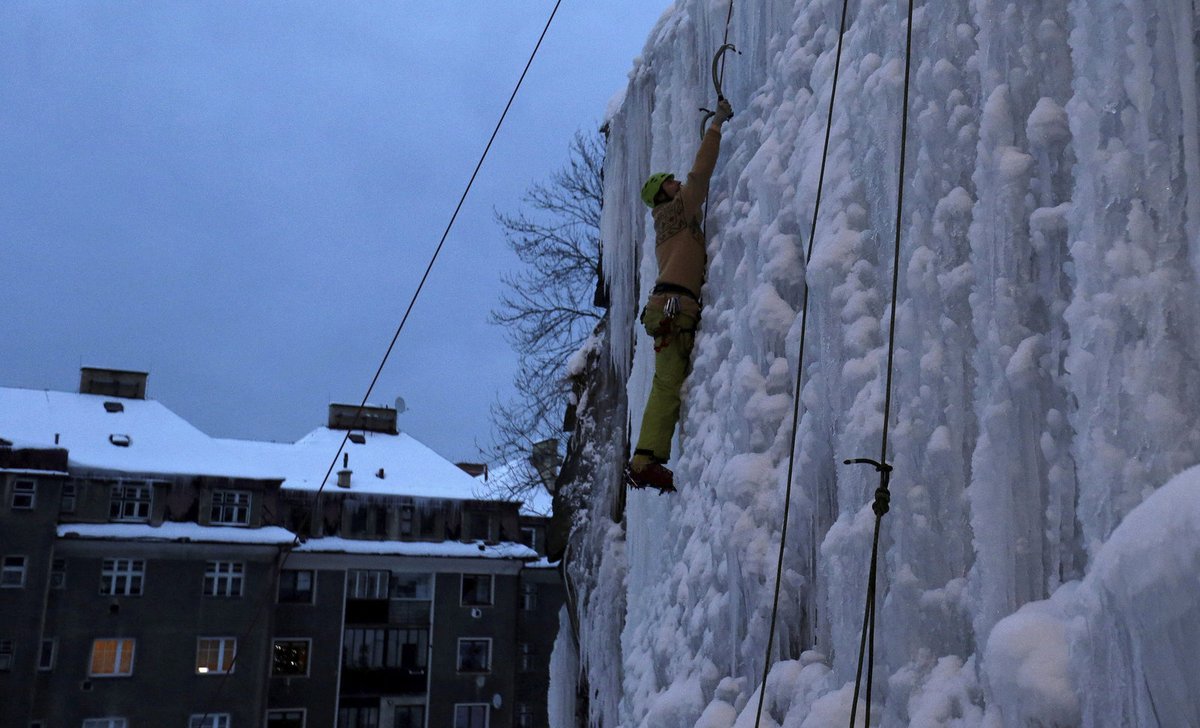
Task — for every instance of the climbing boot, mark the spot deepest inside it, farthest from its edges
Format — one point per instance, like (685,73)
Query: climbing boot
(650,475)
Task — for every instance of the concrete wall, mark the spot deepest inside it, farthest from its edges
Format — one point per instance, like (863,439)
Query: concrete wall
(28,533)
(166,621)
(322,622)
(539,628)
(452,621)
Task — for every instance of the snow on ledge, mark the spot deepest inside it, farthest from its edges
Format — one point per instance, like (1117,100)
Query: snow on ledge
(35,471)
(444,549)
(170,531)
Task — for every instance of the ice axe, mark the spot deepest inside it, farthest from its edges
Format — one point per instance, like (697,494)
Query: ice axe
(717,71)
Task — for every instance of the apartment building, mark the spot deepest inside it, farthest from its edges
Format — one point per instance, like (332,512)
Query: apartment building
(151,575)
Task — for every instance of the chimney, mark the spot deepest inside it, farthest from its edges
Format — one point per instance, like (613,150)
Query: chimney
(344,474)
(475,470)
(112,382)
(371,419)
(546,461)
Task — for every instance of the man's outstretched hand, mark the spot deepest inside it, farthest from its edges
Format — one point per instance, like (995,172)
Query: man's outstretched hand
(724,111)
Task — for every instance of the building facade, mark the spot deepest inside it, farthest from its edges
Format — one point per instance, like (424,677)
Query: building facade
(154,576)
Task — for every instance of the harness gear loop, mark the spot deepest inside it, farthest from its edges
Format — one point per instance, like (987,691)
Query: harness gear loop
(671,308)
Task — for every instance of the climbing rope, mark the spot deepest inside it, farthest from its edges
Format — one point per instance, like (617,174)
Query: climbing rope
(375,379)
(812,235)
(866,645)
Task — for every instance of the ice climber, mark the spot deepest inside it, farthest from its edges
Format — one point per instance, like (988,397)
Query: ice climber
(673,309)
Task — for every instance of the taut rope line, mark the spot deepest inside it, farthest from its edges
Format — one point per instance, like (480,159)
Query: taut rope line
(812,234)
(882,494)
(392,345)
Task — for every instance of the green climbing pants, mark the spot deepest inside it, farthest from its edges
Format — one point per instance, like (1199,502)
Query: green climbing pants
(673,340)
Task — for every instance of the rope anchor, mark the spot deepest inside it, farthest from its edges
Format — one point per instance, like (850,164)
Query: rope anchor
(718,67)
(883,496)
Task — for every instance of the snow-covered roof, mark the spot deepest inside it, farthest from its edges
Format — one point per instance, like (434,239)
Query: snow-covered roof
(408,467)
(161,442)
(445,549)
(171,531)
(512,476)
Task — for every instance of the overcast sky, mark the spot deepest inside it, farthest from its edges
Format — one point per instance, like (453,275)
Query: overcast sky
(240,197)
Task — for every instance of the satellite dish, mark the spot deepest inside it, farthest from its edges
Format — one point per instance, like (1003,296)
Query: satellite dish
(401,408)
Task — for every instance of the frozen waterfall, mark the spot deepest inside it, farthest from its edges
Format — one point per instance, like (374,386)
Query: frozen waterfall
(1047,372)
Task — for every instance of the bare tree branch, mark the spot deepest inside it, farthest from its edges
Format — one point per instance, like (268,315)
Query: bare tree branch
(546,307)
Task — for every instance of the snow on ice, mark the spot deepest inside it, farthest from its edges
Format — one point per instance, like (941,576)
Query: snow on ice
(1035,570)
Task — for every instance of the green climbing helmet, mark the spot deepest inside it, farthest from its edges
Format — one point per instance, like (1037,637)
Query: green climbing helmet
(653,185)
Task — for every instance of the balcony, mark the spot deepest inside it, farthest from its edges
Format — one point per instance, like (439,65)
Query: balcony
(384,681)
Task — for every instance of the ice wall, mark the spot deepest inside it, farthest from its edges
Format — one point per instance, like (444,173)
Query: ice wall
(1047,375)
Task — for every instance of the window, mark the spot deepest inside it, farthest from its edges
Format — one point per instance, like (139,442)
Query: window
(296,586)
(368,584)
(24,494)
(471,716)
(230,508)
(533,536)
(479,526)
(6,655)
(529,595)
(223,578)
(373,648)
(112,657)
(48,653)
(70,493)
(368,520)
(285,718)
(408,716)
(289,658)
(12,572)
(408,516)
(130,502)
(474,654)
(527,656)
(122,577)
(105,723)
(358,717)
(524,715)
(58,574)
(428,521)
(476,590)
(209,720)
(215,655)
(412,586)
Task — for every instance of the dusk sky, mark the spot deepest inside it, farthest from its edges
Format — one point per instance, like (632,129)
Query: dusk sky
(241,197)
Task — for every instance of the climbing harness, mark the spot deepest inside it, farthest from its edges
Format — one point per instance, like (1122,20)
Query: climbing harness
(812,235)
(866,647)
(286,551)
